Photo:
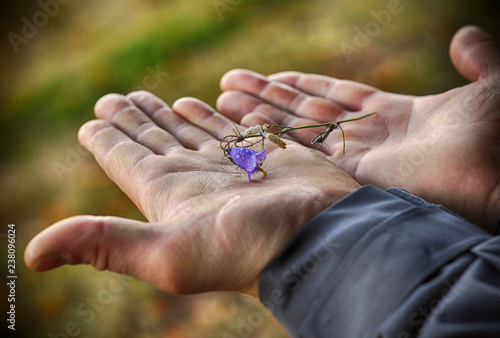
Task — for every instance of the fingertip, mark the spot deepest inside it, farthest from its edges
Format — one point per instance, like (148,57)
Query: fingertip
(102,241)
(188,103)
(226,78)
(227,100)
(255,118)
(183,100)
(284,76)
(235,104)
(474,53)
(147,102)
(46,251)
(49,262)
(89,129)
(241,78)
(140,93)
(110,103)
(144,98)
(193,109)
(29,256)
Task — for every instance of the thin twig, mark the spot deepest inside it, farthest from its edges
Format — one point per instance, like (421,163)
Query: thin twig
(226,142)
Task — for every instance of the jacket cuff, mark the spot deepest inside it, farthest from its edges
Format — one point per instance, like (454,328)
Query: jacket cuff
(352,264)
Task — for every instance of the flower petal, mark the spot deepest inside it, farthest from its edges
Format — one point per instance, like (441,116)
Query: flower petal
(261,156)
(244,158)
(248,159)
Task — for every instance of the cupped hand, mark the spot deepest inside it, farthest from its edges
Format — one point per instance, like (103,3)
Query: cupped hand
(209,227)
(444,148)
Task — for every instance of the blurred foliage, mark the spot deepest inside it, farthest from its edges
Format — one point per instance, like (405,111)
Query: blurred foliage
(173,48)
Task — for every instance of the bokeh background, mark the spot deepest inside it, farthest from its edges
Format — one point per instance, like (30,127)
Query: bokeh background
(80,50)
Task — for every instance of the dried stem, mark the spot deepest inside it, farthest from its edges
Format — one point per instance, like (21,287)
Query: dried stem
(261,131)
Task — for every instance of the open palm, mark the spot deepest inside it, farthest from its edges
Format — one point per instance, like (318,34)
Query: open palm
(444,148)
(210,228)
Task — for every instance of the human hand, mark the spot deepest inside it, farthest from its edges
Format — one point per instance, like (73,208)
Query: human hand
(444,148)
(210,228)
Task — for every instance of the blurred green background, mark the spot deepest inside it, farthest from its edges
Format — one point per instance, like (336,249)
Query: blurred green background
(82,50)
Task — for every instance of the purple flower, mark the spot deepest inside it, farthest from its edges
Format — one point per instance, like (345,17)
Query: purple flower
(248,159)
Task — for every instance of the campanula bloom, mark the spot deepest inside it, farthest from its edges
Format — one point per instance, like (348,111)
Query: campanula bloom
(248,159)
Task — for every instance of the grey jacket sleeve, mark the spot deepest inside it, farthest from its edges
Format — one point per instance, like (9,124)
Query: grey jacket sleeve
(386,264)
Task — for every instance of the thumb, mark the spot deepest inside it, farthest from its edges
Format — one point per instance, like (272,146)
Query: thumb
(474,53)
(107,243)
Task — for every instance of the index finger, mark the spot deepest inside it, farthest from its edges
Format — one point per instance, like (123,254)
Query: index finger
(349,94)
(281,95)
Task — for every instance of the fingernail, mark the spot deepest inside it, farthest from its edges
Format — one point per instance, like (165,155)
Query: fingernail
(50,262)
